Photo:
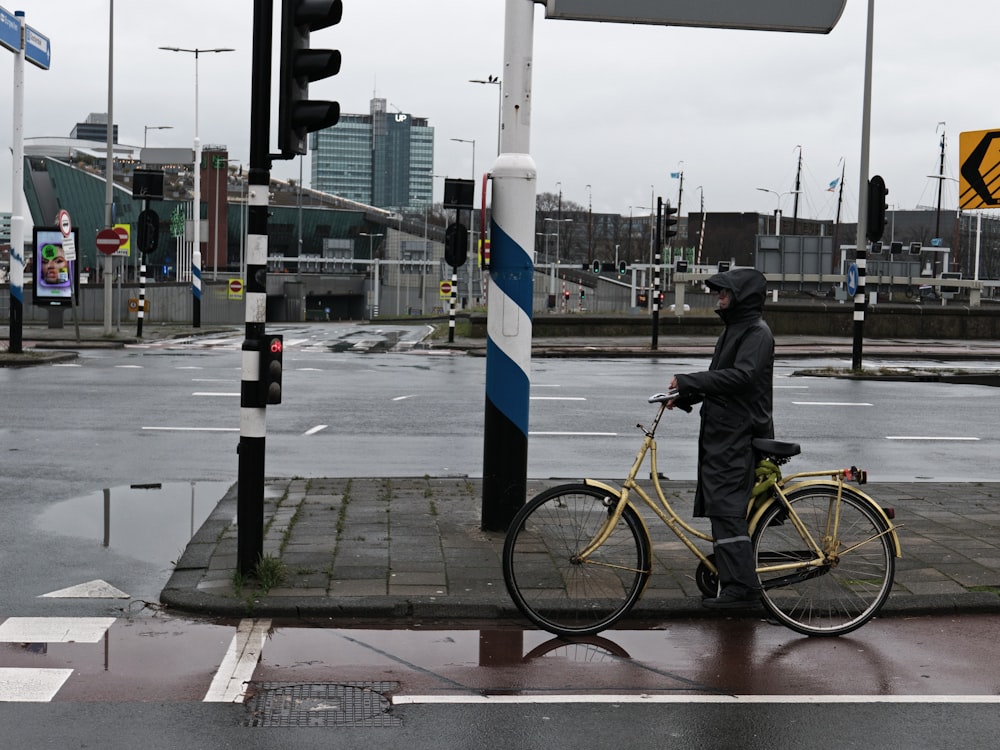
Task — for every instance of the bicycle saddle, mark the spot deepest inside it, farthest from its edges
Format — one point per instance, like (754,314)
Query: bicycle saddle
(775,448)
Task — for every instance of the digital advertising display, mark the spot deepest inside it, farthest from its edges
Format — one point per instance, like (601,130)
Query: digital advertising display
(55,277)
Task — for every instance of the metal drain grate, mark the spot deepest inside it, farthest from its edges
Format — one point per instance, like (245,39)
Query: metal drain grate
(323,704)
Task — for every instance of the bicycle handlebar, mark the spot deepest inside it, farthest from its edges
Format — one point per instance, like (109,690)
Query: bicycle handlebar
(662,398)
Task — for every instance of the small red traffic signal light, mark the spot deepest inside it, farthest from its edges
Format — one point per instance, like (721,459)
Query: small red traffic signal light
(272,349)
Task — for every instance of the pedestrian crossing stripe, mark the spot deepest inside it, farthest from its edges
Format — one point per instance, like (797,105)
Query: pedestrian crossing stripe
(54,629)
(28,685)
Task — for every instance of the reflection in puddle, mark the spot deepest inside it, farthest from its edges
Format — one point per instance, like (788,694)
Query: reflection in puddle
(151,522)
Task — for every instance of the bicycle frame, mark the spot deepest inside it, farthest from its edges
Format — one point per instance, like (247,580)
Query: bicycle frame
(770,487)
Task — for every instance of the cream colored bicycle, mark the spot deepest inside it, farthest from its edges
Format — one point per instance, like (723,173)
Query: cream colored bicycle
(577,557)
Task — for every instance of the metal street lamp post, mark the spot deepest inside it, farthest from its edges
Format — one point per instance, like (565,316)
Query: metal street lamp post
(552,273)
(147,128)
(196,200)
(777,214)
(495,81)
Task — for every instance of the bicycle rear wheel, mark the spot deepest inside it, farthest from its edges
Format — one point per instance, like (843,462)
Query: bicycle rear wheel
(850,587)
(546,579)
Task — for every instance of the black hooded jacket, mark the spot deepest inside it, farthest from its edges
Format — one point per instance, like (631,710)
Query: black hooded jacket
(736,397)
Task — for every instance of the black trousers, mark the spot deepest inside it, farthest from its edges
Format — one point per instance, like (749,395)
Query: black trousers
(734,554)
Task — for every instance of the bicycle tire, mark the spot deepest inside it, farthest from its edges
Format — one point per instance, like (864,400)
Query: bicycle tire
(849,589)
(554,590)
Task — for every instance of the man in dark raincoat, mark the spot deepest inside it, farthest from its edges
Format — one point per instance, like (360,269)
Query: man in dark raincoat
(736,404)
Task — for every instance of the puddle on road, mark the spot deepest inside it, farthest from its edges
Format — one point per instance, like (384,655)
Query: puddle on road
(150,522)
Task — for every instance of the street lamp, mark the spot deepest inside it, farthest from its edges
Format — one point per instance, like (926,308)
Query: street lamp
(777,214)
(495,81)
(197,158)
(552,274)
(147,128)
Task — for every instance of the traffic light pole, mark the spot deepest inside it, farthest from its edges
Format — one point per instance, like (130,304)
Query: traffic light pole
(253,420)
(656,277)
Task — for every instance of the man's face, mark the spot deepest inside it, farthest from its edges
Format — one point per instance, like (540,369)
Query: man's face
(725,299)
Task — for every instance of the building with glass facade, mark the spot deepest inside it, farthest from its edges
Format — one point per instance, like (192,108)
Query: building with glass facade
(383,159)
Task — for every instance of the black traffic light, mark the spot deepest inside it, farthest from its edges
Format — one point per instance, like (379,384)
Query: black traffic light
(456,244)
(669,222)
(272,347)
(622,267)
(596,266)
(876,208)
(147,231)
(297,115)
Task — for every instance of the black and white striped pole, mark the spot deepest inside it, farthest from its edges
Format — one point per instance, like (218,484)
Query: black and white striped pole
(253,420)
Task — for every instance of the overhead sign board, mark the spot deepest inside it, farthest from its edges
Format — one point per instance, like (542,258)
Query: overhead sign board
(10,30)
(36,48)
(979,173)
(814,16)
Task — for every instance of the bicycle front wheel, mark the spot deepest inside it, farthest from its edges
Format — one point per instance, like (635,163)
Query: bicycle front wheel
(545,576)
(851,584)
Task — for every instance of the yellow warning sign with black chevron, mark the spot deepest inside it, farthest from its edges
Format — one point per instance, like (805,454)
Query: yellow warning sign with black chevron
(979,174)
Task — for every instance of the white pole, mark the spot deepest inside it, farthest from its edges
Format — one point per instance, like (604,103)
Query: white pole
(979,237)
(109,167)
(197,175)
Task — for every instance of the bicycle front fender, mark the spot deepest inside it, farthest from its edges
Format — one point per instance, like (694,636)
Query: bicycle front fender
(789,489)
(617,493)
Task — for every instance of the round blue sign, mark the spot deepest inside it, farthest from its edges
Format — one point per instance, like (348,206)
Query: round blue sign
(852,279)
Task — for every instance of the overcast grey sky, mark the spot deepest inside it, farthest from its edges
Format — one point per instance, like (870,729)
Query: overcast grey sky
(615,106)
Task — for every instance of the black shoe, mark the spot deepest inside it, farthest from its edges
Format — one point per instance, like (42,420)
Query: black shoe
(730,599)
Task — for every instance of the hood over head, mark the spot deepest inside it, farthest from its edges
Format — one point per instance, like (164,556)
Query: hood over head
(748,287)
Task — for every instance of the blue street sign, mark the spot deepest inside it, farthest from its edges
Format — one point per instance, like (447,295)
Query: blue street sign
(10,30)
(36,48)
(852,279)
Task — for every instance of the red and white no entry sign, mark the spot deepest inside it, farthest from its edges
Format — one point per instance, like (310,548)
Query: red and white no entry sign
(235,286)
(65,226)
(108,241)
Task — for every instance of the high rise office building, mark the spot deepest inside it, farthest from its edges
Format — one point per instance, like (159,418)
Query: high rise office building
(384,159)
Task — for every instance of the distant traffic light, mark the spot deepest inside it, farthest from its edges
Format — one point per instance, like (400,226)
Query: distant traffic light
(876,208)
(622,267)
(300,65)
(669,222)
(272,349)
(596,266)
(456,244)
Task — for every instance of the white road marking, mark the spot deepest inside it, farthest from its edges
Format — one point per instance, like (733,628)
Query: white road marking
(213,393)
(314,430)
(831,403)
(193,429)
(236,670)
(128,367)
(557,398)
(570,434)
(404,398)
(30,684)
(67,364)
(96,589)
(400,700)
(54,629)
(926,437)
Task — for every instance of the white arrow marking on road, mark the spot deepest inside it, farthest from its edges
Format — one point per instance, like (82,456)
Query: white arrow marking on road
(314,430)
(96,589)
